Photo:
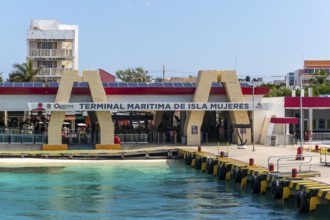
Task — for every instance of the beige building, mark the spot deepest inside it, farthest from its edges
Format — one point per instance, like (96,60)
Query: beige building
(53,47)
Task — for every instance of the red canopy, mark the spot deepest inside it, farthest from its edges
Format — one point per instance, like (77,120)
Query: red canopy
(285,120)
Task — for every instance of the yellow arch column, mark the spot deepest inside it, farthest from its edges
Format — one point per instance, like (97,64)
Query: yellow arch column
(158,116)
(63,96)
(103,117)
(57,117)
(202,93)
(234,94)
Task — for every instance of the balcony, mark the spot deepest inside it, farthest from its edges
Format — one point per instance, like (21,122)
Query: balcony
(51,53)
(51,72)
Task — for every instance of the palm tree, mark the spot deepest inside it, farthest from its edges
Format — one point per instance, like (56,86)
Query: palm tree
(319,82)
(23,73)
(319,78)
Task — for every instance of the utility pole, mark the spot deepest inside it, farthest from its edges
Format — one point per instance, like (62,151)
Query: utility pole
(301,111)
(253,118)
(163,72)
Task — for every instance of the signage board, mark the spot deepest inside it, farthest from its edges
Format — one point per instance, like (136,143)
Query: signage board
(194,129)
(148,106)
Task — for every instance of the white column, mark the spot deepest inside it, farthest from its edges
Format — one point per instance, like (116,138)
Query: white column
(310,115)
(301,112)
(6,119)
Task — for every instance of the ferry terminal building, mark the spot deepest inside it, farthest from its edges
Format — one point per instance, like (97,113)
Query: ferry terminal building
(216,98)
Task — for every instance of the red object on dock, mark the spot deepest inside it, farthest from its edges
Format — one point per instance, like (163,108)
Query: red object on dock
(294,173)
(271,167)
(317,148)
(251,162)
(117,140)
(300,151)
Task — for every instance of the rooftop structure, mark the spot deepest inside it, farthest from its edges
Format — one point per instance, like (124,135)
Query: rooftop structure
(53,47)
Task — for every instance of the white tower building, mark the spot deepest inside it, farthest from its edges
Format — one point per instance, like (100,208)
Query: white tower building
(52,46)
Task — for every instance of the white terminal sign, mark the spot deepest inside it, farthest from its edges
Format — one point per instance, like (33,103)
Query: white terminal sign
(138,106)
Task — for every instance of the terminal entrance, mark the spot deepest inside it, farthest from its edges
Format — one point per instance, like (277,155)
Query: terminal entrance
(82,128)
(130,127)
(140,127)
(216,127)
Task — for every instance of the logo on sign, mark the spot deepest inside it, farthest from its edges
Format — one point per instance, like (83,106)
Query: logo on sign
(259,106)
(64,106)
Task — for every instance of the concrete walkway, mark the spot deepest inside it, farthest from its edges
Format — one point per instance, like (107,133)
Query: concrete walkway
(262,153)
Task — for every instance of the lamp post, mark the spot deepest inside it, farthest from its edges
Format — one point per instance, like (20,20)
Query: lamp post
(301,112)
(253,149)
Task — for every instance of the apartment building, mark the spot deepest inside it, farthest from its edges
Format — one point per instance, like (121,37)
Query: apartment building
(52,46)
(310,68)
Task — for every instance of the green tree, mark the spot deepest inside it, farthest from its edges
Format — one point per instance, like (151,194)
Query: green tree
(133,75)
(23,73)
(321,89)
(319,78)
(1,78)
(276,90)
(319,83)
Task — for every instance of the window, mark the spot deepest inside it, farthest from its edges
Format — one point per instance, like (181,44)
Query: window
(326,71)
(291,80)
(47,45)
(321,124)
(328,124)
(47,64)
(309,71)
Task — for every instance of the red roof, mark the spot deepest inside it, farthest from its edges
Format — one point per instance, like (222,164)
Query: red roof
(316,64)
(286,120)
(106,77)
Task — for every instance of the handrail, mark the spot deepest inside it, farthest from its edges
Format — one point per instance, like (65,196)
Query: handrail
(133,138)
(324,150)
(22,138)
(292,162)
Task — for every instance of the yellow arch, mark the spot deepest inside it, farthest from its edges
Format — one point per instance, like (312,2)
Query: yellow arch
(203,87)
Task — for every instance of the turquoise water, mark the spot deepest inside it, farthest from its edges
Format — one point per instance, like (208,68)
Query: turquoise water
(156,190)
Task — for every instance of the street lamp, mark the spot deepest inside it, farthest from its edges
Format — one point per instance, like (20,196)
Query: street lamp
(301,111)
(253,115)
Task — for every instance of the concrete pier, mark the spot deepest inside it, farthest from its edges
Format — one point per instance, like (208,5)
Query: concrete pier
(262,152)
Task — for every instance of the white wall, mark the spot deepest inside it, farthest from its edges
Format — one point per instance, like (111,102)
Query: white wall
(75,42)
(44,24)
(277,109)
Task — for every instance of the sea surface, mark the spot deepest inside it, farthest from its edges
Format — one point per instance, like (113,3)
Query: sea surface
(130,190)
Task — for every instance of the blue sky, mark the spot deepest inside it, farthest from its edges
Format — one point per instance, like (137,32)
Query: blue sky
(267,37)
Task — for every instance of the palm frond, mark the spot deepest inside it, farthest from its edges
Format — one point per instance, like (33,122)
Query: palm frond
(20,67)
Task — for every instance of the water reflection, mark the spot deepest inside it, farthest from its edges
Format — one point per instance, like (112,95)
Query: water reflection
(128,190)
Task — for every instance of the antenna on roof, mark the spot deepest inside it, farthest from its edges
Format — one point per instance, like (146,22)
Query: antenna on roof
(163,72)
